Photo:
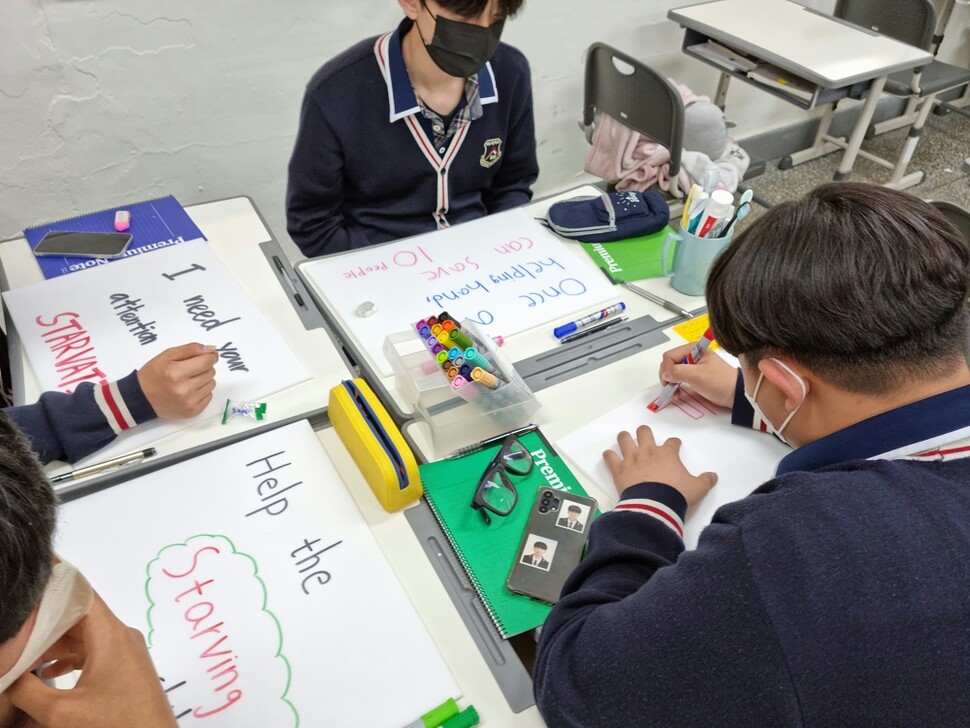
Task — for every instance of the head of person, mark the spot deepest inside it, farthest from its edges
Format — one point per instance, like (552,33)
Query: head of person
(853,295)
(27,516)
(539,548)
(460,35)
(573,512)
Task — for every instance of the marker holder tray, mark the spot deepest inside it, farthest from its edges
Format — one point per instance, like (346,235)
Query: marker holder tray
(448,411)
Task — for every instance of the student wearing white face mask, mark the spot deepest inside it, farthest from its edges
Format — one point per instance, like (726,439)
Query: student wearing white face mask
(837,593)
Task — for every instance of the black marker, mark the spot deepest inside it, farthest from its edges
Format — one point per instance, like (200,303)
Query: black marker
(591,330)
(289,282)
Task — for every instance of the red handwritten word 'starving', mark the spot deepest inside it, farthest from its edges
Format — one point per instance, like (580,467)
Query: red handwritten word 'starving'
(75,359)
(216,651)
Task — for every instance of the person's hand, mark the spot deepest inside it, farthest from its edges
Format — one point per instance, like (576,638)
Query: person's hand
(644,461)
(178,383)
(712,377)
(118,687)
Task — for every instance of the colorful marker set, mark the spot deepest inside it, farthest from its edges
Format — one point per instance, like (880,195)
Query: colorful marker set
(459,356)
(466,358)
(708,215)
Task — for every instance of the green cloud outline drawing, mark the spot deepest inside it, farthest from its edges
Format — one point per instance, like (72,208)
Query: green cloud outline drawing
(262,585)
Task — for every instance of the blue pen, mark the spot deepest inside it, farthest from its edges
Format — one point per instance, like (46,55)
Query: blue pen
(572,326)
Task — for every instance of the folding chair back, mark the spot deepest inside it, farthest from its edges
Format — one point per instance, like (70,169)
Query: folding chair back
(642,99)
(908,21)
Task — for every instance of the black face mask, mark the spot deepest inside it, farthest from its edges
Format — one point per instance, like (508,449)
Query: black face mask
(461,49)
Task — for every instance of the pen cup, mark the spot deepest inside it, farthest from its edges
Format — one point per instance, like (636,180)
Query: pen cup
(693,259)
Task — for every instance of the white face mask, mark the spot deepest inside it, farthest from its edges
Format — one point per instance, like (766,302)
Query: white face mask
(66,599)
(761,415)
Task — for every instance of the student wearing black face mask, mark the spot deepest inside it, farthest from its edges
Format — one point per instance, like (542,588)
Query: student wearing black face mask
(421,128)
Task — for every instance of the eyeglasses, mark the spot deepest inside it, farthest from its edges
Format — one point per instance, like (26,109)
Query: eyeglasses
(495,491)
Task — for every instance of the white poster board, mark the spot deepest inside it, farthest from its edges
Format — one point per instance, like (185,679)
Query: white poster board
(505,272)
(263,595)
(742,458)
(104,322)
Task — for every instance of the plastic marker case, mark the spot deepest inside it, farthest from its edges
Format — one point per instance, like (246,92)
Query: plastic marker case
(375,443)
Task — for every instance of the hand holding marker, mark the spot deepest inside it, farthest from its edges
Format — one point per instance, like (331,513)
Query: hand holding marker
(670,388)
(566,329)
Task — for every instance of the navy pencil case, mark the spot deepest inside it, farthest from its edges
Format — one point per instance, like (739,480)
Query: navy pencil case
(611,216)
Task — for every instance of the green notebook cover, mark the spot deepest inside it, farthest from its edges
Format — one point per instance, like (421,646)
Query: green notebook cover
(633,259)
(488,552)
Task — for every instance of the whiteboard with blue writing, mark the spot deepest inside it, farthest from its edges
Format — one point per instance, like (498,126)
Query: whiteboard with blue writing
(102,323)
(265,598)
(505,272)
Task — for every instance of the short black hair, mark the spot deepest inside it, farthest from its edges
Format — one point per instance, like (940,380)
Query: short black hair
(574,509)
(474,8)
(27,515)
(539,545)
(865,285)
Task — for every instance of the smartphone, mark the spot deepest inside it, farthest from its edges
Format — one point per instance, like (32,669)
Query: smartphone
(83,245)
(552,544)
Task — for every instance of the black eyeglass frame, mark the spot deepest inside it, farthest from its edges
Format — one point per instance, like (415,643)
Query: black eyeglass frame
(497,466)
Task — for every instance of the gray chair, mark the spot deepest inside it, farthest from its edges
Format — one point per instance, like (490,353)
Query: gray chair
(912,22)
(641,98)
(955,214)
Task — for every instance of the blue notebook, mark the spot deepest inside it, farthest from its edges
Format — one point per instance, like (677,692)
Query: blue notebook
(155,224)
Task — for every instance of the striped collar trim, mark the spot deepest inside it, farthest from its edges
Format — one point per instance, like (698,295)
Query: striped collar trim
(955,450)
(934,423)
(401,99)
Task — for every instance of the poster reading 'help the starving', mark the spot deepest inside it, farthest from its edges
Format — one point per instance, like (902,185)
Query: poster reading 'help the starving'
(264,597)
(101,324)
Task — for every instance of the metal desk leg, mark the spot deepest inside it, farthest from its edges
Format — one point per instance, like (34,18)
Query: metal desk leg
(820,147)
(720,95)
(900,180)
(859,130)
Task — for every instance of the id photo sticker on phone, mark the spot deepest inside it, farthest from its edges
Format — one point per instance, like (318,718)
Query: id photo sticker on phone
(539,552)
(573,516)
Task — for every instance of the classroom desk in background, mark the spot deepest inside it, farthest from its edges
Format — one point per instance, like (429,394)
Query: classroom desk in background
(827,57)
(236,232)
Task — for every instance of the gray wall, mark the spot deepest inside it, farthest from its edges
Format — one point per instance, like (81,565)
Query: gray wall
(102,102)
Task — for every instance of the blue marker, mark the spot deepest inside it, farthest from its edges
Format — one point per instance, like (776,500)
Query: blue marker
(474,359)
(454,352)
(572,326)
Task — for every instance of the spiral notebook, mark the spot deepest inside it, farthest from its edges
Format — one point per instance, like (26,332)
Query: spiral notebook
(155,224)
(487,552)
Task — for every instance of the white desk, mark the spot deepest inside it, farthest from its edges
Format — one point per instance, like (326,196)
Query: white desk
(565,407)
(235,231)
(840,59)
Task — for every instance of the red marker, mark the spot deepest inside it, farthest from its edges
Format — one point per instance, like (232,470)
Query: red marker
(670,388)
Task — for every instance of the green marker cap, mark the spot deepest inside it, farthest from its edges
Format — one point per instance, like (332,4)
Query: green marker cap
(434,718)
(465,719)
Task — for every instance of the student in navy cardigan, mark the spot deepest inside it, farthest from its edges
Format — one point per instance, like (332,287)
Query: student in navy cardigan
(416,130)
(838,593)
(175,384)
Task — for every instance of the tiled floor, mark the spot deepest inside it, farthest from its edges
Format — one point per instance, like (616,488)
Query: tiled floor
(941,153)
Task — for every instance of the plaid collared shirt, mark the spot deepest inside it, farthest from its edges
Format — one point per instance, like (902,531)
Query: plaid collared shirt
(469,112)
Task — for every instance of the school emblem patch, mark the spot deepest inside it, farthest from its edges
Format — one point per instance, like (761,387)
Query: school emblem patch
(493,152)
